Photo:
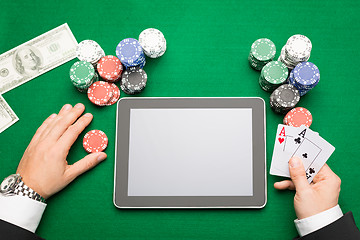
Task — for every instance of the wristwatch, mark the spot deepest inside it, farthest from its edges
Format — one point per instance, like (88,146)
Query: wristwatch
(13,185)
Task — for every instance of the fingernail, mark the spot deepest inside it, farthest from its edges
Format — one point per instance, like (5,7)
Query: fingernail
(87,115)
(53,115)
(79,105)
(67,107)
(101,157)
(294,162)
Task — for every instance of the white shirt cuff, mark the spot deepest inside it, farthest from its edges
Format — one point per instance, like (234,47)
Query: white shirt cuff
(318,221)
(21,211)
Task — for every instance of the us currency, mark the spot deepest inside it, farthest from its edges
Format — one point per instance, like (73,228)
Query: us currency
(35,57)
(7,115)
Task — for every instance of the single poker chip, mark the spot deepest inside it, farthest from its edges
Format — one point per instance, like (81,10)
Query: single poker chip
(262,51)
(95,141)
(272,75)
(284,98)
(297,117)
(153,42)
(110,68)
(306,74)
(133,80)
(130,52)
(116,95)
(299,47)
(90,51)
(100,93)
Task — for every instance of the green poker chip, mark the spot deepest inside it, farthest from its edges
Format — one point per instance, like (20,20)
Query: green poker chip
(82,75)
(273,74)
(262,51)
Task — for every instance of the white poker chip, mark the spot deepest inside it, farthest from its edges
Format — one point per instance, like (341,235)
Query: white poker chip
(90,51)
(153,42)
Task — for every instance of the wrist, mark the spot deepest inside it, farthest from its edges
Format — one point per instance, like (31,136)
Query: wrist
(314,210)
(14,185)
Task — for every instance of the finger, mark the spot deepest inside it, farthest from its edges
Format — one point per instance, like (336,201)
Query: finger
(297,174)
(324,173)
(286,184)
(84,165)
(72,133)
(43,127)
(65,120)
(63,110)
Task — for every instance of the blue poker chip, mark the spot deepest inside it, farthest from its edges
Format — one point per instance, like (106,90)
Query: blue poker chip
(302,89)
(306,74)
(130,52)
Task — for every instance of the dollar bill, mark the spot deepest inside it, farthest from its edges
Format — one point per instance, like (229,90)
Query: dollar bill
(35,57)
(7,115)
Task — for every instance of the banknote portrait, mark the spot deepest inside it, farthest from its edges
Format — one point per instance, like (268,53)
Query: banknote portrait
(27,60)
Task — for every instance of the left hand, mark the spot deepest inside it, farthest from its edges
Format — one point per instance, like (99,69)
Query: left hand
(43,166)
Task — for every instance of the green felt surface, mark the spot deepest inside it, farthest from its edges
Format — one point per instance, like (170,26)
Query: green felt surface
(208,45)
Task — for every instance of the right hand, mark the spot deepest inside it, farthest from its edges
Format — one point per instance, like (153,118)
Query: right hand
(310,199)
(44,167)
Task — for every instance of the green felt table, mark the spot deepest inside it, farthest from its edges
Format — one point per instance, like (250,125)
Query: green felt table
(208,44)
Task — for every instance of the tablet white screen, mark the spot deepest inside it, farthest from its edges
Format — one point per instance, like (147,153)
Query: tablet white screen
(190,152)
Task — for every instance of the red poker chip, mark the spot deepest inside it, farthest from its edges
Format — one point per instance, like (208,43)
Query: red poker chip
(110,68)
(297,117)
(116,95)
(99,93)
(95,141)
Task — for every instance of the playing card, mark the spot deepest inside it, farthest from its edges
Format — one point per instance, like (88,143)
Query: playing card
(302,142)
(314,151)
(282,152)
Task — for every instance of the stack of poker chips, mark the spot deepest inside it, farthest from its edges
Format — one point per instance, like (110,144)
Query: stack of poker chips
(82,75)
(273,74)
(130,53)
(133,80)
(110,68)
(262,51)
(297,49)
(152,42)
(284,98)
(297,117)
(305,76)
(102,93)
(89,51)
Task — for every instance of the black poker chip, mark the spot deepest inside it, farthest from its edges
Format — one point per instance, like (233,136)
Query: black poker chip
(284,98)
(133,80)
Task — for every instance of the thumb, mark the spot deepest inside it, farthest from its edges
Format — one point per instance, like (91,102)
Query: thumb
(297,174)
(85,164)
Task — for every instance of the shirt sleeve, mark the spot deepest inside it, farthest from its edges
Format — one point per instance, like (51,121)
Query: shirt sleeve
(21,211)
(318,221)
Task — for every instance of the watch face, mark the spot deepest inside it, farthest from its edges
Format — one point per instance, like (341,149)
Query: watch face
(8,183)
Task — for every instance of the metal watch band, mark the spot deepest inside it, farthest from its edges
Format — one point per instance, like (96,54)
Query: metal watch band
(22,190)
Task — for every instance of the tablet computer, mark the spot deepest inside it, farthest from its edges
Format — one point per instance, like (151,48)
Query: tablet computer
(190,153)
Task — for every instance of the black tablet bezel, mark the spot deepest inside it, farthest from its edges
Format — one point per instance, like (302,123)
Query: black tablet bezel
(121,198)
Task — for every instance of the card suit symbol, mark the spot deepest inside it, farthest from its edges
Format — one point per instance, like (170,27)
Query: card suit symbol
(297,140)
(311,170)
(304,155)
(281,140)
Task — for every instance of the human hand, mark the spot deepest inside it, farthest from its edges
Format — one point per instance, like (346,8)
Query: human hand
(43,166)
(310,199)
